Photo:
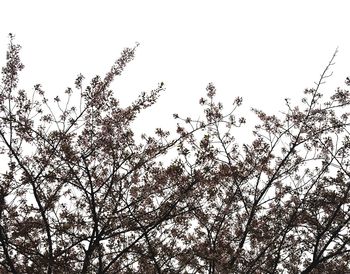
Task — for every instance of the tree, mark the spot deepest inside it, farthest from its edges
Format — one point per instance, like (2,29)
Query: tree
(79,194)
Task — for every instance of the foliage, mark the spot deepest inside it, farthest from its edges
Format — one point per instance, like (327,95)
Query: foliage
(80,195)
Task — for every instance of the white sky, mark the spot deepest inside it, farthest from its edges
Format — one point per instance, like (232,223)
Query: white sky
(264,51)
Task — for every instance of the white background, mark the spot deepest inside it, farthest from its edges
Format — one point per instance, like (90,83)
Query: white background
(263,51)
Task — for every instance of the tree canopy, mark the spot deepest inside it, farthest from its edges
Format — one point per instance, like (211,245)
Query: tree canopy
(80,194)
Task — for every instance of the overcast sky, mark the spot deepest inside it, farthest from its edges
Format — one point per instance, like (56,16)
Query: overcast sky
(263,51)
